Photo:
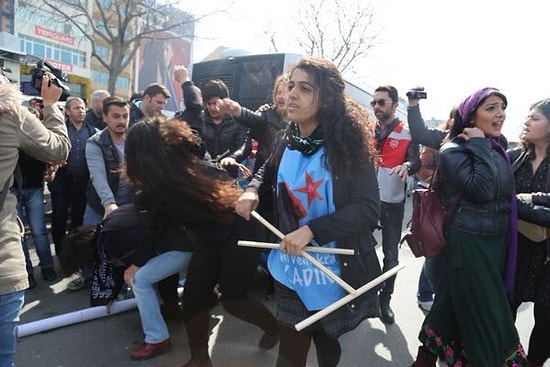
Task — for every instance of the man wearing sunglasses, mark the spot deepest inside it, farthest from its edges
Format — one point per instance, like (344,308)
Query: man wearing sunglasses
(399,159)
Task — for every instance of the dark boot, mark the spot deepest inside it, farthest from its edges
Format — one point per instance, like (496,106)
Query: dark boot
(424,358)
(386,313)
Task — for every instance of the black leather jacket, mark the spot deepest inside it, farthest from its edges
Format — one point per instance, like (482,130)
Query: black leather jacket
(485,179)
(264,127)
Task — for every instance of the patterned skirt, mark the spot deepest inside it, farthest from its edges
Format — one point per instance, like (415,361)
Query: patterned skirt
(291,310)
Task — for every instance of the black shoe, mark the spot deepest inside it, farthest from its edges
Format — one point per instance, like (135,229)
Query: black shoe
(386,315)
(49,274)
(32,282)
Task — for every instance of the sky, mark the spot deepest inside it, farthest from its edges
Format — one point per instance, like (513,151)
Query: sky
(451,48)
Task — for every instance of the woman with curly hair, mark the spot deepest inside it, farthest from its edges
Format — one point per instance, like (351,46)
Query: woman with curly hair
(182,194)
(531,163)
(323,177)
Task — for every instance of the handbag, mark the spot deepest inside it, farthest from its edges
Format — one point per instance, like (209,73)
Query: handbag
(429,220)
(533,232)
(426,235)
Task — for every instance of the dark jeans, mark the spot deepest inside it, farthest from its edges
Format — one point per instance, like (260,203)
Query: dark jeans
(429,277)
(220,261)
(391,220)
(66,192)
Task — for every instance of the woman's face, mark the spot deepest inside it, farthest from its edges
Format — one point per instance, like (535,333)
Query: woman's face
(281,96)
(490,116)
(536,127)
(303,100)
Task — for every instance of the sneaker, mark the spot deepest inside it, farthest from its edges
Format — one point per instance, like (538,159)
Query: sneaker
(79,283)
(425,306)
(49,274)
(32,282)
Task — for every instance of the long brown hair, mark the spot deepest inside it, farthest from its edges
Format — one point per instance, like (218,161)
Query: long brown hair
(163,165)
(347,140)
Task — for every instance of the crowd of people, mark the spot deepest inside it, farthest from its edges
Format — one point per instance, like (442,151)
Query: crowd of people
(141,201)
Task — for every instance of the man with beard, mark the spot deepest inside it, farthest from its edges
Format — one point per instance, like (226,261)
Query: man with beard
(105,158)
(399,159)
(153,101)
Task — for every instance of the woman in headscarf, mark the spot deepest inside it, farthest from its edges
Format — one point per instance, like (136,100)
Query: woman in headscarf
(470,322)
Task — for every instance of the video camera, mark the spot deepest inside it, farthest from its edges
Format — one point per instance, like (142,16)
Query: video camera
(417,93)
(58,79)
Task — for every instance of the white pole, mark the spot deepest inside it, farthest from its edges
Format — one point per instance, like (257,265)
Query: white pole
(74,317)
(307,256)
(342,301)
(327,250)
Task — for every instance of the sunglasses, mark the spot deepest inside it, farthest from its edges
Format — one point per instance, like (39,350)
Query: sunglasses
(380,102)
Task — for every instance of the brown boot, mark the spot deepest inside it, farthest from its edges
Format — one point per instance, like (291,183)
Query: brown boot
(424,358)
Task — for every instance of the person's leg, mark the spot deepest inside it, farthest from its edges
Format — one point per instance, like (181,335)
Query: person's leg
(540,335)
(91,218)
(144,288)
(199,298)
(77,195)
(328,349)
(391,219)
(238,266)
(39,232)
(22,214)
(293,348)
(10,307)
(425,293)
(432,270)
(60,209)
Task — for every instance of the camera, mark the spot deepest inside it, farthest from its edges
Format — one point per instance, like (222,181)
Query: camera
(417,94)
(58,79)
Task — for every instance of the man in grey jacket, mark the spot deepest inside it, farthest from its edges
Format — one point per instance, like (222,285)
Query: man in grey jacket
(47,141)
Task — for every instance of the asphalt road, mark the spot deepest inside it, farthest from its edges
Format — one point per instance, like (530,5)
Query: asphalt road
(106,342)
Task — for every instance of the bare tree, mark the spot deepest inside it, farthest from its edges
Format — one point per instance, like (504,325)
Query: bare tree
(338,30)
(121,25)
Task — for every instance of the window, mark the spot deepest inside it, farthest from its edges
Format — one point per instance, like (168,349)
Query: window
(122,82)
(50,50)
(100,77)
(102,52)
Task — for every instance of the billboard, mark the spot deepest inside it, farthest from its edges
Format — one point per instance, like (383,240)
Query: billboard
(161,59)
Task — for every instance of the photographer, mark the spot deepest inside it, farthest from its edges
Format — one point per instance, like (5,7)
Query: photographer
(47,141)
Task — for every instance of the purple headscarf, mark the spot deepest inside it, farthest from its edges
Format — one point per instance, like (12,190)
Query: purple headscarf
(469,105)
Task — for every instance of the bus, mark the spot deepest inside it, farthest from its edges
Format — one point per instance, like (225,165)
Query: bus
(250,78)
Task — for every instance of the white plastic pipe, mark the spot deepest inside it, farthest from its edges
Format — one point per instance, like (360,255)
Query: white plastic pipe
(74,317)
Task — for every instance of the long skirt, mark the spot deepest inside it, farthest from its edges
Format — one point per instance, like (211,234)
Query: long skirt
(471,321)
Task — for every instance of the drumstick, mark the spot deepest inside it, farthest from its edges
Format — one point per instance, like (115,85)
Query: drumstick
(307,256)
(342,301)
(329,250)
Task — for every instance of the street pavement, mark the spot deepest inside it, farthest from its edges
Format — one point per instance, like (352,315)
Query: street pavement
(106,342)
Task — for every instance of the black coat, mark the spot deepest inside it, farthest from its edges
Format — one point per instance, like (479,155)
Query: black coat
(357,203)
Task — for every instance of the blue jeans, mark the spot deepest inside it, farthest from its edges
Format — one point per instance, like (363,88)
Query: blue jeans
(10,307)
(147,299)
(30,208)
(429,277)
(425,291)
(91,217)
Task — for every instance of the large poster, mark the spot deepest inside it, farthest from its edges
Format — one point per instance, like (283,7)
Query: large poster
(164,59)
